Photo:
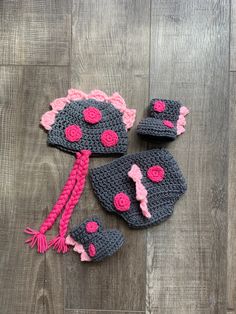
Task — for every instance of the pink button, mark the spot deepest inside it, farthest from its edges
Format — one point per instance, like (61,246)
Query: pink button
(91,227)
(121,202)
(109,138)
(168,123)
(92,250)
(159,106)
(156,173)
(92,115)
(73,133)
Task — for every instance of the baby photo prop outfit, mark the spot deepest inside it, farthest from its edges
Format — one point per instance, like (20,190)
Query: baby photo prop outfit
(85,125)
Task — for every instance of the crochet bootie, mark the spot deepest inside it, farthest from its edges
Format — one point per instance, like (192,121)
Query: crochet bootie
(166,120)
(142,188)
(93,242)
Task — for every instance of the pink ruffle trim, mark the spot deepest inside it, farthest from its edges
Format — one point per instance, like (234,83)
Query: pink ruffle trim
(78,248)
(116,100)
(182,121)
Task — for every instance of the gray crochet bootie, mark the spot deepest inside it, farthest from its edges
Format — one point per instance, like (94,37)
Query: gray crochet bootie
(93,242)
(166,120)
(142,188)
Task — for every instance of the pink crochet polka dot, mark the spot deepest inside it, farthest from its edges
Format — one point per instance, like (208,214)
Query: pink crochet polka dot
(156,173)
(168,123)
(73,133)
(159,106)
(109,138)
(121,202)
(92,115)
(91,227)
(92,250)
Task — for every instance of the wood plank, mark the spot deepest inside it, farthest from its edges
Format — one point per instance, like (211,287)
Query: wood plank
(233,36)
(231,271)
(35,32)
(111,53)
(186,256)
(89,311)
(31,177)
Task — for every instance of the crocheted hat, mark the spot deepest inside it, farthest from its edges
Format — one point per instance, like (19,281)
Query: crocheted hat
(166,119)
(83,124)
(142,188)
(93,242)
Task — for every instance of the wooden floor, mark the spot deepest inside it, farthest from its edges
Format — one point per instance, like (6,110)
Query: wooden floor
(178,49)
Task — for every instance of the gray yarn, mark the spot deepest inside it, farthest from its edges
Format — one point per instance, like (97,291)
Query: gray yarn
(108,180)
(106,242)
(152,126)
(73,114)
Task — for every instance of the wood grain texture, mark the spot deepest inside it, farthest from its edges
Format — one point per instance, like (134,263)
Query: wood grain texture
(101,312)
(35,32)
(233,36)
(31,177)
(186,256)
(104,56)
(231,256)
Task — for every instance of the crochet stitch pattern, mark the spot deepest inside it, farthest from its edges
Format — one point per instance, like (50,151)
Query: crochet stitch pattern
(98,243)
(161,178)
(83,124)
(166,119)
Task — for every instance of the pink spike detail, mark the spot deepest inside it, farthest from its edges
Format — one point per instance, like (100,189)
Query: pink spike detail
(75,94)
(182,121)
(98,95)
(48,119)
(141,193)
(59,103)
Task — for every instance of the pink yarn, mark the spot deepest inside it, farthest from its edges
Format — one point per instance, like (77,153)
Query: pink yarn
(98,95)
(156,173)
(38,238)
(184,110)
(109,138)
(117,101)
(78,248)
(121,202)
(92,227)
(159,106)
(168,123)
(59,103)
(141,193)
(73,133)
(75,94)
(92,115)
(92,250)
(182,121)
(48,119)
(59,242)
(129,116)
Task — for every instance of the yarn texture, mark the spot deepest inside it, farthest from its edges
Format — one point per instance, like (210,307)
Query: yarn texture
(98,244)
(161,178)
(166,119)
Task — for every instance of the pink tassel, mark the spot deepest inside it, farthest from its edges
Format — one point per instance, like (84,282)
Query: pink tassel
(38,239)
(59,244)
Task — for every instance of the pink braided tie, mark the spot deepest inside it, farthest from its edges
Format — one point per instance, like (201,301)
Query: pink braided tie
(59,242)
(38,237)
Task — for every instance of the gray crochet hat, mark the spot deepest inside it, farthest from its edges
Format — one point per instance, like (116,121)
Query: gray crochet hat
(92,122)
(142,188)
(93,242)
(166,119)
